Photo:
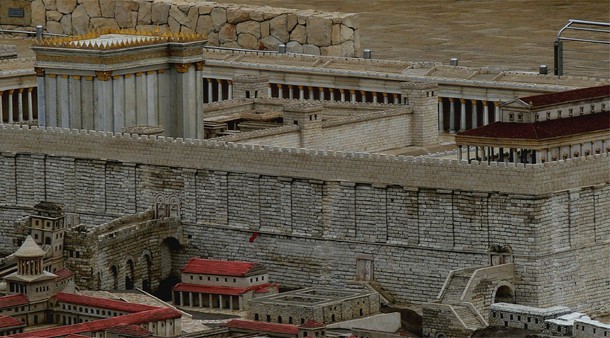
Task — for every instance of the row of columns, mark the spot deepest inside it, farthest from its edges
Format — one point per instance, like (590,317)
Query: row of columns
(23,107)
(288,91)
(468,118)
(531,156)
(217,90)
(195,299)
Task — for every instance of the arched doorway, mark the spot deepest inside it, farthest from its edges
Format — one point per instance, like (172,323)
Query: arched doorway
(147,272)
(504,293)
(114,272)
(170,269)
(129,275)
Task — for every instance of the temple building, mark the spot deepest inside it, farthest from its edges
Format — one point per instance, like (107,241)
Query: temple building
(113,80)
(543,128)
(225,285)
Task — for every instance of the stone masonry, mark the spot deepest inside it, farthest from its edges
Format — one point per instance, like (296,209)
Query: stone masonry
(308,206)
(235,26)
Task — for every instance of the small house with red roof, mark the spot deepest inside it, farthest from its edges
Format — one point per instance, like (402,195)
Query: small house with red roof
(543,128)
(225,285)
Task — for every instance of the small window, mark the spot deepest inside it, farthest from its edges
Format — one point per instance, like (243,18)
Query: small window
(511,117)
(559,113)
(520,117)
(548,115)
(537,117)
(571,112)
(582,110)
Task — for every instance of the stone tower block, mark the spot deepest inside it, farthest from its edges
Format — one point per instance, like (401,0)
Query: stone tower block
(250,86)
(308,116)
(423,97)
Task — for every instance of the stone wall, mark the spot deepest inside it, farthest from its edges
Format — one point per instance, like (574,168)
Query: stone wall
(225,25)
(318,210)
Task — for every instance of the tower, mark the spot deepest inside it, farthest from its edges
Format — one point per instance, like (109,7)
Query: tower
(250,86)
(423,97)
(47,228)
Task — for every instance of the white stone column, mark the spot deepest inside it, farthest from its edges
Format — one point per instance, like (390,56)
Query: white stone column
(20,105)
(63,102)
(441,113)
(460,153)
(130,100)
(451,114)
(185,102)
(352,94)
(342,95)
(280,90)
(200,295)
(75,102)
(290,92)
(1,108)
(199,116)
(141,98)
(220,301)
(385,98)
(363,96)
(321,92)
(102,109)
(219,85)
(310,93)
(395,98)
(152,90)
(118,102)
(301,93)
(485,113)
(230,92)
(374,97)
(87,98)
(269,90)
(10,105)
(497,111)
(474,112)
(210,301)
(462,114)
(332,94)
(30,108)
(210,91)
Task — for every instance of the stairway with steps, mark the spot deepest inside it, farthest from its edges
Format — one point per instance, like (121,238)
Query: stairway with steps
(454,289)
(452,295)
(470,319)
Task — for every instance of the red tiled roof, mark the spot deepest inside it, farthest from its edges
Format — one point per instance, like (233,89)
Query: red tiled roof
(567,96)
(218,267)
(6,321)
(221,290)
(262,327)
(63,274)
(130,330)
(543,130)
(101,303)
(13,300)
(154,315)
(311,324)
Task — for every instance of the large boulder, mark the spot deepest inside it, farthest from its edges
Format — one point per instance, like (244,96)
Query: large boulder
(80,20)
(311,49)
(92,7)
(66,23)
(319,31)
(178,15)
(66,6)
(54,16)
(160,13)
(237,15)
(205,26)
(145,14)
(277,28)
(227,33)
(250,27)
(103,23)
(50,5)
(247,41)
(219,17)
(291,21)
(270,42)
(54,27)
(294,47)
(122,15)
(38,13)
(107,8)
(299,34)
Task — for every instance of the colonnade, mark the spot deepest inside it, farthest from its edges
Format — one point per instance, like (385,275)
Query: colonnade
(207,300)
(215,90)
(298,92)
(17,105)
(531,156)
(458,114)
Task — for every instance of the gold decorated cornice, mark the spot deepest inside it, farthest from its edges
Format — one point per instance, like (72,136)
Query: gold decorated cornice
(199,66)
(103,76)
(182,67)
(103,60)
(145,38)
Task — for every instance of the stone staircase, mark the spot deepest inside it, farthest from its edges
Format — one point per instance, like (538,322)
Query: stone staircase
(452,295)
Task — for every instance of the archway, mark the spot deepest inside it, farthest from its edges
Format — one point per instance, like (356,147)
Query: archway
(114,272)
(504,293)
(169,249)
(146,272)
(129,275)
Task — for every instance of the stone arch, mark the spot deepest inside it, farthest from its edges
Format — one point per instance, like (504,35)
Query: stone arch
(114,273)
(169,272)
(504,292)
(130,273)
(146,264)
(440,335)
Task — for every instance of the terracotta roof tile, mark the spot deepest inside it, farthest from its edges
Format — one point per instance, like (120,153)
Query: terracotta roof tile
(13,300)
(311,324)
(63,274)
(222,268)
(101,303)
(262,327)
(104,324)
(6,322)
(130,330)
(545,129)
(567,96)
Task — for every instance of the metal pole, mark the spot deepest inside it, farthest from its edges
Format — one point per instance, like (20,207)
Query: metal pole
(39,32)
(558,57)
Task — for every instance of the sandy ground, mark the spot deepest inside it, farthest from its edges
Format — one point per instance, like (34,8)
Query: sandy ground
(513,33)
